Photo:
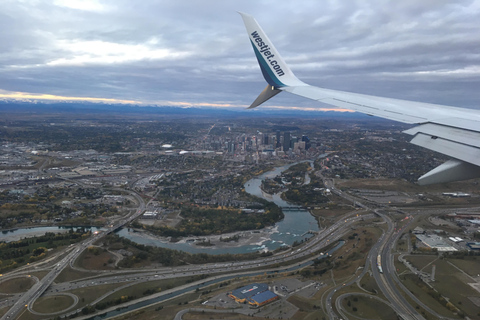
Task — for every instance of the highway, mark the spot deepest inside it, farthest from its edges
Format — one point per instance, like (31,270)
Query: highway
(383,248)
(387,281)
(308,251)
(29,297)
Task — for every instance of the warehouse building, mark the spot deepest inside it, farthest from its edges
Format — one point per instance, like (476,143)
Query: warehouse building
(256,294)
(435,242)
(263,298)
(474,245)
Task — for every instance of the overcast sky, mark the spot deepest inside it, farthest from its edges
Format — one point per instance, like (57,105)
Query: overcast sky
(193,53)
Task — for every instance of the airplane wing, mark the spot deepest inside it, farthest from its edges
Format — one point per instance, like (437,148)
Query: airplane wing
(452,131)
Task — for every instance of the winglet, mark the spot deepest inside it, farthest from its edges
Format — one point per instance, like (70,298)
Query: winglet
(274,69)
(266,94)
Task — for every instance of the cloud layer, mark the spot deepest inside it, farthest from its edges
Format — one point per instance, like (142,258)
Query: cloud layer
(197,52)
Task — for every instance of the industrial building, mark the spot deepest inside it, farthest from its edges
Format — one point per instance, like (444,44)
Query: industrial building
(435,242)
(256,294)
(474,245)
(263,298)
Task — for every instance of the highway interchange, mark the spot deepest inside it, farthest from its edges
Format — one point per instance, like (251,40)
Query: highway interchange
(387,281)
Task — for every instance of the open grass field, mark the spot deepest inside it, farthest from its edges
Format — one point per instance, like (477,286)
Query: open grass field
(3,310)
(421,291)
(400,267)
(90,294)
(211,315)
(331,213)
(30,316)
(16,285)
(453,284)
(68,274)
(422,261)
(352,255)
(96,259)
(361,307)
(402,244)
(469,265)
(140,290)
(52,304)
(308,308)
(304,304)
(164,311)
(369,284)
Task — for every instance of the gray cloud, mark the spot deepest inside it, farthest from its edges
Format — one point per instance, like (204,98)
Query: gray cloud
(198,52)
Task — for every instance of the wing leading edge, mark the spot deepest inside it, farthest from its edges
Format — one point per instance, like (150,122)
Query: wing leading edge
(448,130)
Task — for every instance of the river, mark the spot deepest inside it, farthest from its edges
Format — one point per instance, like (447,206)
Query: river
(292,228)
(18,234)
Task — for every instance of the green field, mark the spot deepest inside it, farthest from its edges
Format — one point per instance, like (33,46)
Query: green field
(422,261)
(453,284)
(369,284)
(469,265)
(421,291)
(16,285)
(68,274)
(147,288)
(52,304)
(90,294)
(363,307)
(450,282)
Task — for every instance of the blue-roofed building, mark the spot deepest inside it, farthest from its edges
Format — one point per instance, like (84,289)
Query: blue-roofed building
(256,294)
(474,245)
(263,298)
(244,293)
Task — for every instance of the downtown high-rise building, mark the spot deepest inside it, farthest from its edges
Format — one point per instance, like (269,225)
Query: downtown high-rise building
(286,141)
(231,147)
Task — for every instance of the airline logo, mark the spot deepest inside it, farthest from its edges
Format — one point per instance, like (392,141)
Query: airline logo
(264,49)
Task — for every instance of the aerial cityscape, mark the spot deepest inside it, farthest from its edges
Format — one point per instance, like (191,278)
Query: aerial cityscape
(161,214)
(143,175)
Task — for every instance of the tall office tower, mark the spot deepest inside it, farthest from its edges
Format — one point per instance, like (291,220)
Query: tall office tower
(286,141)
(265,140)
(231,147)
(307,142)
(260,139)
(293,140)
(279,144)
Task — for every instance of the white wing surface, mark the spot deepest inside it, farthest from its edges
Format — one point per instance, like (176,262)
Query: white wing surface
(452,131)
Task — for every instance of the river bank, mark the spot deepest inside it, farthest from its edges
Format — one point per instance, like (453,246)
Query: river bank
(255,238)
(21,233)
(294,227)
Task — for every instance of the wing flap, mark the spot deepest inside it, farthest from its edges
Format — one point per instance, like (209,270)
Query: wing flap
(459,135)
(453,149)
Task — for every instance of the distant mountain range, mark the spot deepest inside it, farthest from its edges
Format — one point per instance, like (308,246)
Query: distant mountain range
(36,107)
